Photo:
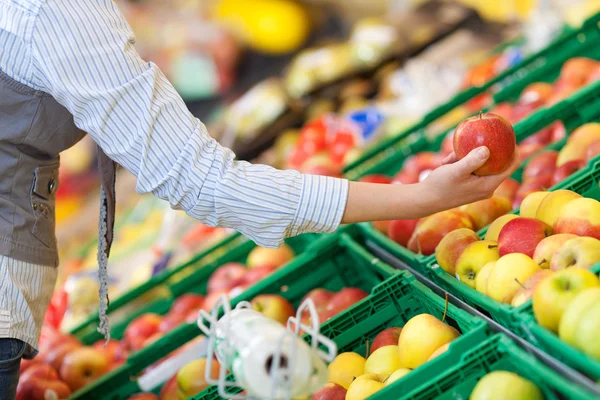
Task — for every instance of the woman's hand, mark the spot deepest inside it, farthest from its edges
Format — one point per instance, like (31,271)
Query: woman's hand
(454,184)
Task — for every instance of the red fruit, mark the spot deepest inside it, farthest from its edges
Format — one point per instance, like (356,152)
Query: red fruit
(567,169)
(331,391)
(26,364)
(169,390)
(418,163)
(320,298)
(536,93)
(543,137)
(505,110)
(256,274)
(447,145)
(387,337)
(56,356)
(42,389)
(141,329)
(492,131)
(345,298)
(400,231)
(526,189)
(226,277)
(114,350)
(542,164)
(522,235)
(297,158)
(558,131)
(577,70)
(376,178)
(526,150)
(212,299)
(187,302)
(43,371)
(170,322)
(508,189)
(592,151)
(144,396)
(594,75)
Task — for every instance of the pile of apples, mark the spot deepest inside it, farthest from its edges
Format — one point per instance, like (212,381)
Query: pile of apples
(394,353)
(556,231)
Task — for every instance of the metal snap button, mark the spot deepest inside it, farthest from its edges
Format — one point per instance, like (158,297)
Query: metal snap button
(35,206)
(52,186)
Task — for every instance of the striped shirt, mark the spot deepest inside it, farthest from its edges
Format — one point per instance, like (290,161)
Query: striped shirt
(82,53)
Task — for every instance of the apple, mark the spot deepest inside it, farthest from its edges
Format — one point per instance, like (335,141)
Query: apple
(387,337)
(274,306)
(256,274)
(383,361)
(537,92)
(508,276)
(490,130)
(261,256)
(542,164)
(504,109)
(551,206)
(579,252)
(528,149)
(421,336)
(580,217)
(187,302)
(472,260)
(595,75)
(567,169)
(484,212)
(56,356)
(496,226)
(526,189)
(447,146)
(190,378)
(431,230)
(211,300)
(576,71)
(83,366)
(226,277)
(114,350)
(559,132)
(169,390)
(452,246)
(345,298)
(42,389)
(481,281)
(542,137)
(592,151)
(170,322)
(554,293)
(525,293)
(420,162)
(441,350)
(144,396)
(574,312)
(331,391)
(586,335)
(504,385)
(376,178)
(400,231)
(152,339)
(531,203)
(397,375)
(507,189)
(586,134)
(43,371)
(365,386)
(522,235)
(548,247)
(141,329)
(345,367)
(320,298)
(26,364)
(523,110)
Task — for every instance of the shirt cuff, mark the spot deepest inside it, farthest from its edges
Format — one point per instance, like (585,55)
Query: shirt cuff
(322,205)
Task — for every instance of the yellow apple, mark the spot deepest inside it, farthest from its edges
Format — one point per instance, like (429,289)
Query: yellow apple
(504,385)
(481,281)
(398,374)
(531,203)
(365,386)
(574,311)
(452,246)
(421,337)
(551,207)
(508,276)
(345,367)
(484,212)
(580,252)
(496,226)
(547,247)
(384,361)
(473,258)
(586,336)
(554,293)
(580,217)
(439,351)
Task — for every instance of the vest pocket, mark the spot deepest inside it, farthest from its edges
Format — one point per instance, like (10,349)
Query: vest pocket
(45,183)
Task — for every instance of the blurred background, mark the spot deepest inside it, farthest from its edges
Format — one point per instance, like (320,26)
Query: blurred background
(266,76)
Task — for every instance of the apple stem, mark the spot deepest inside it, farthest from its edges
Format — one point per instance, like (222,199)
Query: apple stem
(445,308)
(492,246)
(480,114)
(542,262)
(520,284)
(367,352)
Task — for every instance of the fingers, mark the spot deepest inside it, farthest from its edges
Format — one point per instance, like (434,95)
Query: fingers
(475,159)
(450,159)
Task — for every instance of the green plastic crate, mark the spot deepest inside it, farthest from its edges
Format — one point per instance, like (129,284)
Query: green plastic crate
(393,303)
(550,343)
(334,262)
(541,66)
(158,294)
(499,353)
(584,182)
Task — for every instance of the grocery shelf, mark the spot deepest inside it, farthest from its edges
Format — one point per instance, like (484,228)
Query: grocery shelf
(333,262)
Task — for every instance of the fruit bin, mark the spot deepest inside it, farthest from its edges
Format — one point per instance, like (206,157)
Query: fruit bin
(541,66)
(335,261)
(498,353)
(157,294)
(393,303)
(584,182)
(553,345)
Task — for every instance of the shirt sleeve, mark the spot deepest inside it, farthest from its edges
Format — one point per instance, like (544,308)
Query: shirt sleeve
(83,54)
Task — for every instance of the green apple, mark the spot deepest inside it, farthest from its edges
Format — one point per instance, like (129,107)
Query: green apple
(473,259)
(577,307)
(504,385)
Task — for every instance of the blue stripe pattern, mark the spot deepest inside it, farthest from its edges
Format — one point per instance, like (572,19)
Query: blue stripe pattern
(82,52)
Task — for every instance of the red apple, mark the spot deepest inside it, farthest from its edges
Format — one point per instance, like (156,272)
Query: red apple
(527,150)
(492,131)
(542,164)
(43,371)
(274,307)
(592,151)
(523,110)
(226,277)
(256,274)
(419,162)
(170,322)
(152,339)
(320,298)
(400,231)
(186,302)
(83,366)
(577,70)
(505,110)
(526,189)
(558,131)
(536,93)
(114,350)
(376,178)
(387,337)
(331,391)
(141,329)
(345,298)
(56,357)
(26,364)
(507,189)
(169,390)
(431,230)
(566,170)
(542,137)
(42,389)
(522,235)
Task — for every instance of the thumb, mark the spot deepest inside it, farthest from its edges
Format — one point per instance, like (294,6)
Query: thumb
(475,159)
